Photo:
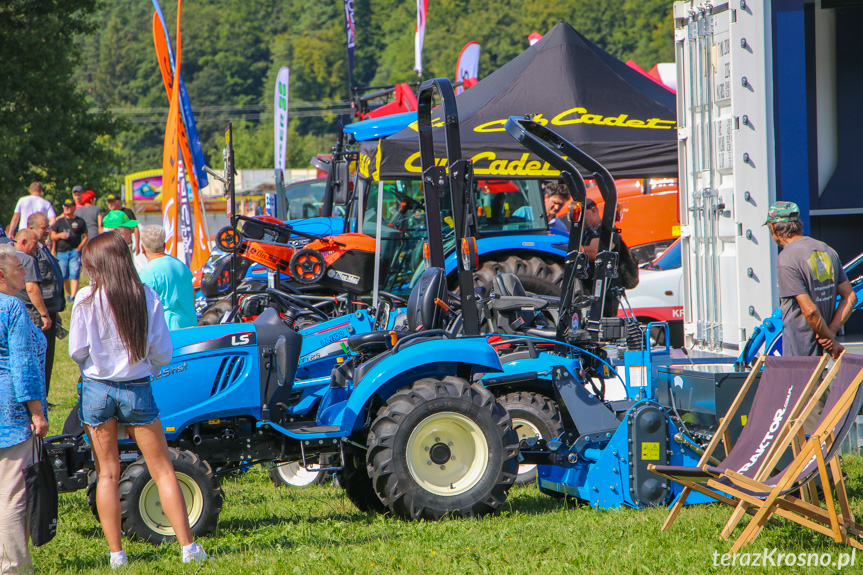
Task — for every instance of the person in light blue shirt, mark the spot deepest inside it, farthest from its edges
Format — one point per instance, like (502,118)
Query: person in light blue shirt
(22,411)
(170,278)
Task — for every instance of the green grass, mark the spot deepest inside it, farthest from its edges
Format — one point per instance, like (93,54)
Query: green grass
(264,529)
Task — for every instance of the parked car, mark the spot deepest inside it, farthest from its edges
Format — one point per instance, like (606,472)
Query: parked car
(659,295)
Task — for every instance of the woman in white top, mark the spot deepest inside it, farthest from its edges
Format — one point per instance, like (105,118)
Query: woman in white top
(119,339)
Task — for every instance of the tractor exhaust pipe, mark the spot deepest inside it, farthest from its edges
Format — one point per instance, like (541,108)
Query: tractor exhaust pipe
(196,434)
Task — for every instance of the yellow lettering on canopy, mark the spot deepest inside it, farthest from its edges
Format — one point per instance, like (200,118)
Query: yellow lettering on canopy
(560,119)
(634,124)
(532,166)
(517,167)
(654,123)
(498,167)
(493,126)
(615,121)
(591,119)
(411,164)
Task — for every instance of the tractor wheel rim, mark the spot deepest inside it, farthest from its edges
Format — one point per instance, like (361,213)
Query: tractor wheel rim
(293,473)
(447,453)
(150,505)
(525,429)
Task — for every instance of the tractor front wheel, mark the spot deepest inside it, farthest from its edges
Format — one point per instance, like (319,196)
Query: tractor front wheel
(533,415)
(442,447)
(292,474)
(141,507)
(355,480)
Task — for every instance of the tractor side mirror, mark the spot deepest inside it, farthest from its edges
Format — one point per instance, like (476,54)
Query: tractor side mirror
(341,182)
(281,356)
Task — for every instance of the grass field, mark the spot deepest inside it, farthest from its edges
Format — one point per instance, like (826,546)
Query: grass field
(264,529)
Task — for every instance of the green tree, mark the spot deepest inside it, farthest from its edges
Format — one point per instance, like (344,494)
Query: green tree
(49,131)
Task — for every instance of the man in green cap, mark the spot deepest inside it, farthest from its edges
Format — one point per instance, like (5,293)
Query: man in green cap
(119,222)
(810,276)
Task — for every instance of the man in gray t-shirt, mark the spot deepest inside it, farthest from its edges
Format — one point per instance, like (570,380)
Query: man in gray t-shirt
(810,276)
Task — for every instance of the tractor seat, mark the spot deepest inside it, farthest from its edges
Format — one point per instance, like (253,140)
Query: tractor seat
(373,340)
(422,314)
(514,310)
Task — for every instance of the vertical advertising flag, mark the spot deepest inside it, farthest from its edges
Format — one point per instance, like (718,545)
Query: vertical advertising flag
(422,9)
(350,33)
(201,245)
(194,141)
(280,124)
(468,64)
(185,217)
(171,156)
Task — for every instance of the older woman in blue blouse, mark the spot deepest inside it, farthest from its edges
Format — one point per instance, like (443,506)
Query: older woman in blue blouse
(22,411)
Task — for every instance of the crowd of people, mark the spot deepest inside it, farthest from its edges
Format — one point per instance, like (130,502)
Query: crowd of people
(119,336)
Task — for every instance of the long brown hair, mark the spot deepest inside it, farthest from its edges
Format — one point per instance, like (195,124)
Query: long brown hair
(108,262)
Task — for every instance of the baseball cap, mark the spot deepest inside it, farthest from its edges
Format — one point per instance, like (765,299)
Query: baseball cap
(88,195)
(781,212)
(589,204)
(77,190)
(113,197)
(118,219)
(70,203)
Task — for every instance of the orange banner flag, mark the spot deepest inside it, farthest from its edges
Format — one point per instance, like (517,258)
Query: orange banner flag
(201,247)
(170,157)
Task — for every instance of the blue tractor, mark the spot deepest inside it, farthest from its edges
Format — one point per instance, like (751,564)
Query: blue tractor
(402,418)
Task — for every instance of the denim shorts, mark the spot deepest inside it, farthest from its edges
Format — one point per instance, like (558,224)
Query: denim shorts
(70,264)
(129,402)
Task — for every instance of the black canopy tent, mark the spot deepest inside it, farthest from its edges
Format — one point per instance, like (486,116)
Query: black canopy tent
(623,119)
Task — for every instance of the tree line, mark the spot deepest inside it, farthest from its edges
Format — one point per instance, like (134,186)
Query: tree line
(86,103)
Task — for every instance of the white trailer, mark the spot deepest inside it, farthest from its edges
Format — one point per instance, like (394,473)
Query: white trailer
(757,103)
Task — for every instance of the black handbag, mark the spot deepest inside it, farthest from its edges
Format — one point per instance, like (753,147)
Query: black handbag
(40,486)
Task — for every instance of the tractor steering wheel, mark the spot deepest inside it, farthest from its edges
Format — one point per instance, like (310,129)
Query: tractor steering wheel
(285,298)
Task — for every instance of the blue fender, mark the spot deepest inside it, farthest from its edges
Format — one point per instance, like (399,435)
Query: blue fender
(504,246)
(432,358)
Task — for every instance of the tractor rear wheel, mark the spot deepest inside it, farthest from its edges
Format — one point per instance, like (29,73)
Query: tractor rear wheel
(533,415)
(538,276)
(141,507)
(355,480)
(442,447)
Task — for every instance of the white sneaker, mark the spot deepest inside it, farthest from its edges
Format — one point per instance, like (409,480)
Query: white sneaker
(194,552)
(117,562)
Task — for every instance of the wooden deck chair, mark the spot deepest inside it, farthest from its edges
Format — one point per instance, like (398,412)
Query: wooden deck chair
(775,495)
(786,386)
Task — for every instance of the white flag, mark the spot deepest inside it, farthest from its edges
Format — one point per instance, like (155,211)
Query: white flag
(422,8)
(280,105)
(468,64)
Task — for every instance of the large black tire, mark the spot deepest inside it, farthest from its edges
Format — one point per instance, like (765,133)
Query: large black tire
(355,480)
(92,481)
(538,276)
(414,441)
(213,314)
(292,474)
(140,507)
(533,415)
